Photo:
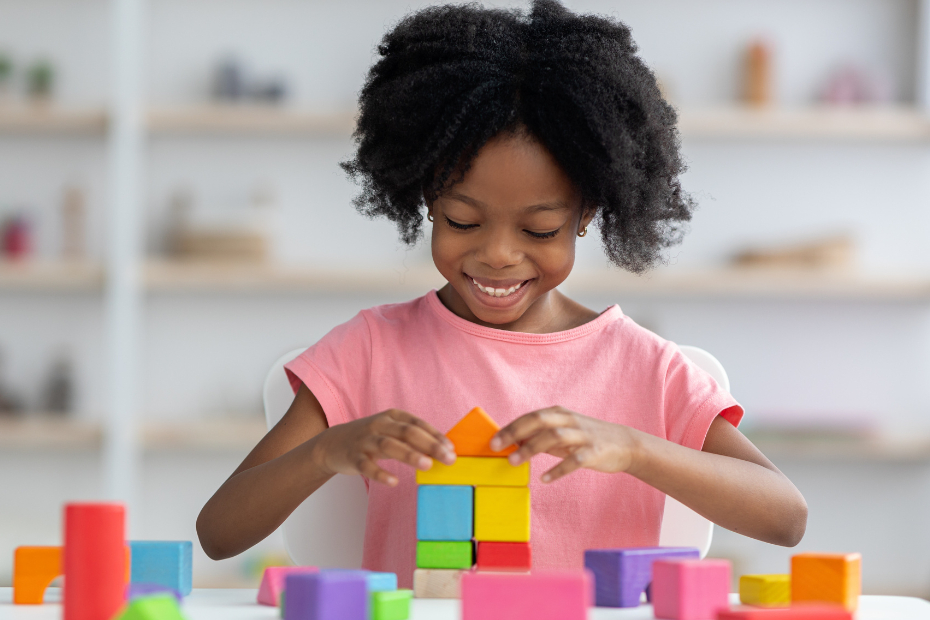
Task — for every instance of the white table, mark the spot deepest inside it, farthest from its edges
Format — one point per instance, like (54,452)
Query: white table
(241,605)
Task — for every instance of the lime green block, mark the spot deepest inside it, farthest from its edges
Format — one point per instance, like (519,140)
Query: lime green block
(157,607)
(391,605)
(444,554)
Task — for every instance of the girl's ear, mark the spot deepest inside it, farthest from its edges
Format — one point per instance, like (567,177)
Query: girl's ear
(587,215)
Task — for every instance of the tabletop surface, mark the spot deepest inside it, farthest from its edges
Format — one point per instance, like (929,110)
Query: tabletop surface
(216,604)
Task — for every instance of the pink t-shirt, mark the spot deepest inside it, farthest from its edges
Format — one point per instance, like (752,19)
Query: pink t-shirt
(420,357)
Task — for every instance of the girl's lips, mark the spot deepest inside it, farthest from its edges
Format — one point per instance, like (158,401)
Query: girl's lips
(498,303)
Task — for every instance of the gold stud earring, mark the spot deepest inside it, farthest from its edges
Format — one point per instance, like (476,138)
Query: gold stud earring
(429,216)
(583,232)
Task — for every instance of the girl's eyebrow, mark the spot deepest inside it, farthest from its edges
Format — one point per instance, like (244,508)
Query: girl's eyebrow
(544,206)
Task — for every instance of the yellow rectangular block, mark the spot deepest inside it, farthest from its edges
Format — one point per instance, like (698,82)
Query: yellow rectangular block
(502,514)
(477,471)
(765,590)
(827,578)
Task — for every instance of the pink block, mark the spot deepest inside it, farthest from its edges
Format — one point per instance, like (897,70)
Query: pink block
(690,589)
(536,596)
(273,582)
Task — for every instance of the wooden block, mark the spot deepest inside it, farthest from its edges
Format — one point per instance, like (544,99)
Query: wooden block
(437,583)
(33,569)
(445,512)
(800,612)
(536,596)
(477,471)
(690,589)
(472,435)
(329,595)
(269,592)
(157,607)
(445,554)
(502,514)
(827,578)
(165,562)
(504,556)
(380,582)
(94,560)
(621,575)
(765,590)
(391,605)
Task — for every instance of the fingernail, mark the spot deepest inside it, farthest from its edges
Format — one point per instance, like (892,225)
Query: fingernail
(449,458)
(546,477)
(514,459)
(392,481)
(496,444)
(425,463)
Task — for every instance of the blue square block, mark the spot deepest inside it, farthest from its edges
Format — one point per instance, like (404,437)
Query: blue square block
(622,575)
(163,562)
(330,595)
(445,512)
(377,582)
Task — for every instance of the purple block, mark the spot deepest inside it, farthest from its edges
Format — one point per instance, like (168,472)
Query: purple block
(621,575)
(335,595)
(137,590)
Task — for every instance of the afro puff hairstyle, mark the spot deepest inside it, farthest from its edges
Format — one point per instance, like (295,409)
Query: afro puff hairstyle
(450,78)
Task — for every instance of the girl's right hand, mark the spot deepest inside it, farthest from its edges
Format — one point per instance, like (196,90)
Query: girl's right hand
(356,447)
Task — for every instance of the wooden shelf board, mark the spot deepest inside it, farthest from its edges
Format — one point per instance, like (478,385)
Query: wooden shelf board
(51,276)
(249,120)
(46,431)
(51,120)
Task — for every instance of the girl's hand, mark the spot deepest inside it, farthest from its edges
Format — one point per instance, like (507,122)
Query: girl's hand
(579,440)
(357,446)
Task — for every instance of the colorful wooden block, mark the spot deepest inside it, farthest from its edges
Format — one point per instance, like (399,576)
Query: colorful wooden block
(827,578)
(504,556)
(33,569)
(690,589)
(502,514)
(391,605)
(800,612)
(272,585)
(445,554)
(331,595)
(94,560)
(621,575)
(143,590)
(157,607)
(445,512)
(535,596)
(477,471)
(437,583)
(380,582)
(166,562)
(472,435)
(765,590)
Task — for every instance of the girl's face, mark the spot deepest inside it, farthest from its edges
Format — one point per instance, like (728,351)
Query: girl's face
(504,236)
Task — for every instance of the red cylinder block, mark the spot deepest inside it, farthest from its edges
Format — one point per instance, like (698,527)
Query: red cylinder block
(94,561)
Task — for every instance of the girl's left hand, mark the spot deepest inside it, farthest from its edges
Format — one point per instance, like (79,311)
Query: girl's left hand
(579,440)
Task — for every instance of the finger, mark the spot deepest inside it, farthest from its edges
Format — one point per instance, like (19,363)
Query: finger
(549,440)
(368,468)
(391,448)
(529,424)
(420,440)
(408,418)
(574,461)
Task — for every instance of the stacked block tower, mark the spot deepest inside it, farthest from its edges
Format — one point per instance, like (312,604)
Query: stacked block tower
(472,514)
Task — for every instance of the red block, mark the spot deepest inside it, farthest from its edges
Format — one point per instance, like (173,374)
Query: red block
(798,612)
(502,556)
(94,561)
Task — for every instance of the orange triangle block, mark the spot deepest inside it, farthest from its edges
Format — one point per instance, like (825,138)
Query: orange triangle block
(472,435)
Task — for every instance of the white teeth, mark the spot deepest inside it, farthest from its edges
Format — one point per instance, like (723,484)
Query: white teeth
(497,292)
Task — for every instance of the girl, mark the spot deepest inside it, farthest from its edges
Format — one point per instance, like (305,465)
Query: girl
(515,132)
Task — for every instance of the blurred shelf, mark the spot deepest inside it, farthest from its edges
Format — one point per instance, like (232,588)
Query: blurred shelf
(43,119)
(916,449)
(862,123)
(51,276)
(46,431)
(249,120)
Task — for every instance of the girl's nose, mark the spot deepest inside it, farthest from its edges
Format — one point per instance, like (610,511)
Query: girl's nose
(500,251)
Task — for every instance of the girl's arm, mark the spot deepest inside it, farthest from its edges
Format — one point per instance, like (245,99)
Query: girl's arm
(729,482)
(297,456)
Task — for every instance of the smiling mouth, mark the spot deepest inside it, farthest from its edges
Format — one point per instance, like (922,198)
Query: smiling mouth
(499,292)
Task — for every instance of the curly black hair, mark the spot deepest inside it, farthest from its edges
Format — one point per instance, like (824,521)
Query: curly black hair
(452,77)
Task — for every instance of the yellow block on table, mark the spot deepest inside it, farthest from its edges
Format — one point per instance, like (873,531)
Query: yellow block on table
(765,590)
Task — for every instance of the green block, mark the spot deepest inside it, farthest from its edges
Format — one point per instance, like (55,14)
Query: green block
(391,605)
(156,607)
(444,554)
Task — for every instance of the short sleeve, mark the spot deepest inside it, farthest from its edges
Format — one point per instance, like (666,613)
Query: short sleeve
(693,399)
(337,369)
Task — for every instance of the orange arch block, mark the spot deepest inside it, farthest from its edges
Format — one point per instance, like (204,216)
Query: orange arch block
(472,435)
(33,569)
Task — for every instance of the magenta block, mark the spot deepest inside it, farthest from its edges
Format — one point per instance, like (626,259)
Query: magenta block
(336,595)
(273,582)
(621,575)
(535,596)
(690,589)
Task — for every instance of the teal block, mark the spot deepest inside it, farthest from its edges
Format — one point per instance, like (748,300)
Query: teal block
(381,582)
(163,562)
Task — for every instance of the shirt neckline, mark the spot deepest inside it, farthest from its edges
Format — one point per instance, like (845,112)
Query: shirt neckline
(611,314)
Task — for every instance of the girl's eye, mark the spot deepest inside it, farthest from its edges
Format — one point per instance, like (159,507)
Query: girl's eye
(458,226)
(545,235)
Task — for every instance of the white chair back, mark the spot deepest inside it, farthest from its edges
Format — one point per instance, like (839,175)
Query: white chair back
(328,528)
